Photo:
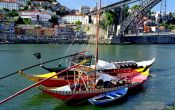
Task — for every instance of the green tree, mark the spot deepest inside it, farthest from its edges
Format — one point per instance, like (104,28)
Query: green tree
(54,19)
(62,11)
(29,3)
(26,8)
(45,7)
(114,17)
(5,9)
(125,12)
(27,21)
(12,13)
(19,21)
(78,23)
(171,27)
(135,7)
(52,0)
(108,19)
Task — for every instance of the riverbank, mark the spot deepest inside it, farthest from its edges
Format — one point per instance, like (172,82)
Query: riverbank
(146,38)
(170,107)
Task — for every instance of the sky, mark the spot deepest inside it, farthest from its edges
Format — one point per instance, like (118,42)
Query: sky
(75,4)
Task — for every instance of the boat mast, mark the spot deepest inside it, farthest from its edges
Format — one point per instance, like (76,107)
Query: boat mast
(97,35)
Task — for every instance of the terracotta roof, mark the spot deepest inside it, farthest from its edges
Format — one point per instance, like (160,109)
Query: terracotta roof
(34,11)
(10,1)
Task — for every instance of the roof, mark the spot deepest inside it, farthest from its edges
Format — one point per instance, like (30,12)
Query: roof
(9,1)
(35,11)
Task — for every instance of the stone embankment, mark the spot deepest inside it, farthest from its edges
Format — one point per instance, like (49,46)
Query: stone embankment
(148,38)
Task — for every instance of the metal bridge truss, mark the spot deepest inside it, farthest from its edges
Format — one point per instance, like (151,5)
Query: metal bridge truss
(114,5)
(145,6)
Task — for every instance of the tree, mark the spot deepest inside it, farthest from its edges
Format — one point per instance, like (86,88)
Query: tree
(12,13)
(54,19)
(78,23)
(27,21)
(29,3)
(62,11)
(45,7)
(114,17)
(52,0)
(171,27)
(19,21)
(107,19)
(5,9)
(170,19)
(125,12)
(110,16)
(135,7)
(26,8)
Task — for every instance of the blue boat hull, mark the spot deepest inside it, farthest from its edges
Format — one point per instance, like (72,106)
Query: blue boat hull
(108,97)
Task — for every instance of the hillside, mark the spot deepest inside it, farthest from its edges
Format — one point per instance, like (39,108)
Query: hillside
(51,5)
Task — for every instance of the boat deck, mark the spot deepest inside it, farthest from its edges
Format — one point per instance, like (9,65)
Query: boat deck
(84,69)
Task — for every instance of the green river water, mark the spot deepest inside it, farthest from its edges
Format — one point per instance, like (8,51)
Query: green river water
(158,90)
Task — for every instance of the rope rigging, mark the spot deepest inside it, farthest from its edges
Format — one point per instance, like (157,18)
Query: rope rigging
(3,77)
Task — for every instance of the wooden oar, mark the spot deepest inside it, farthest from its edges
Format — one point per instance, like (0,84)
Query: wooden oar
(40,64)
(38,83)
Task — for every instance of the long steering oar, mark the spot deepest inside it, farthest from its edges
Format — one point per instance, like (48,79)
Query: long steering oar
(38,83)
(40,64)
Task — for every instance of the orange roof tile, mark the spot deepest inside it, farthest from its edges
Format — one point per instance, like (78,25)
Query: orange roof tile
(10,1)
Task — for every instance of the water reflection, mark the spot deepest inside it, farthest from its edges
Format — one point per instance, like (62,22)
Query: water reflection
(37,101)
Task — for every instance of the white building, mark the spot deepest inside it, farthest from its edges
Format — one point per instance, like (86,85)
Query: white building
(35,15)
(9,4)
(84,19)
(71,19)
(84,9)
(22,2)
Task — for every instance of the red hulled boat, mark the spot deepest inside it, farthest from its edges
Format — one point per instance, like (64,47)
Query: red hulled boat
(83,92)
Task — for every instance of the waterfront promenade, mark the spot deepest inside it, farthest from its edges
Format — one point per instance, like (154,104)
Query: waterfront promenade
(141,38)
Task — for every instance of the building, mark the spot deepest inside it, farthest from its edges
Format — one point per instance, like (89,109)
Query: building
(9,4)
(7,27)
(47,31)
(77,12)
(22,2)
(36,15)
(84,19)
(2,14)
(40,3)
(84,9)
(71,19)
(25,29)
(66,31)
(34,30)
(56,29)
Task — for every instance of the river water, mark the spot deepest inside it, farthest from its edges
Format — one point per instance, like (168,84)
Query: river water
(158,90)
